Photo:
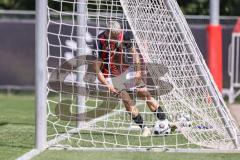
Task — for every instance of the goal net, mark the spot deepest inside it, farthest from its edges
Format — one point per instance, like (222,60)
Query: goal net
(83,113)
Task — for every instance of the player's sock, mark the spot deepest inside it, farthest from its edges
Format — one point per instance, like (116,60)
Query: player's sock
(139,120)
(160,114)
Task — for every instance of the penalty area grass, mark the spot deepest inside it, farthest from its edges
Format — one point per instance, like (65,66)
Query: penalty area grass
(76,155)
(17,127)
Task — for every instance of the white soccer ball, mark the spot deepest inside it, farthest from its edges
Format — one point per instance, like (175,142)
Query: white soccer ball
(184,120)
(162,127)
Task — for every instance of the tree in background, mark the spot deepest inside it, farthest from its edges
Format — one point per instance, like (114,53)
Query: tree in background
(17,4)
(194,7)
(189,7)
(201,7)
(230,7)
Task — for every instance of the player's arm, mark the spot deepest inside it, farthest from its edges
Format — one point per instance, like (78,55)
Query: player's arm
(97,66)
(131,49)
(136,61)
(102,79)
(97,53)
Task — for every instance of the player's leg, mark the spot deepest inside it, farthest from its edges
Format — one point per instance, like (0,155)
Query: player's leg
(162,126)
(151,102)
(136,116)
(131,108)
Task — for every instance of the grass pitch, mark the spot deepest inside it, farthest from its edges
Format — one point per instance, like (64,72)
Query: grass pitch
(17,137)
(57,155)
(16,125)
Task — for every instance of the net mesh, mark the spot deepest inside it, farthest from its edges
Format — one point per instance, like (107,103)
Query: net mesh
(83,113)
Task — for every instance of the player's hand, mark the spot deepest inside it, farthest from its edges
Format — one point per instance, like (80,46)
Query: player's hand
(112,89)
(138,75)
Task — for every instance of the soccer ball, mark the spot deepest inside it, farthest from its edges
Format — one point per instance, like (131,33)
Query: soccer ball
(162,127)
(184,120)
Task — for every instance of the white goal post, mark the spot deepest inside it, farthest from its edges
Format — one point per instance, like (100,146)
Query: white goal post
(75,111)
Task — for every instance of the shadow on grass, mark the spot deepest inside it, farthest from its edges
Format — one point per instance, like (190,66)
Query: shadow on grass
(17,146)
(3,123)
(8,123)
